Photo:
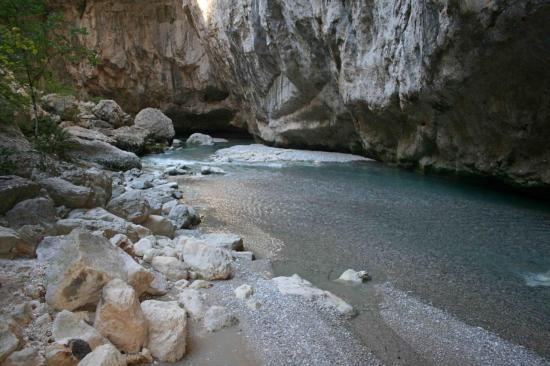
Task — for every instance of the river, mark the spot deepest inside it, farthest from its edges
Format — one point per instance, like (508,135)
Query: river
(479,255)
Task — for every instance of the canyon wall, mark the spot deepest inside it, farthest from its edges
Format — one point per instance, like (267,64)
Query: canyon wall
(150,55)
(439,85)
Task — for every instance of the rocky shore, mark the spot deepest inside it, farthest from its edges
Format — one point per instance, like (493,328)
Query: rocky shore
(103,263)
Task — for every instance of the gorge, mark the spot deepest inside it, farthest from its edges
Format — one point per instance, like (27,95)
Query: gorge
(274,182)
(447,86)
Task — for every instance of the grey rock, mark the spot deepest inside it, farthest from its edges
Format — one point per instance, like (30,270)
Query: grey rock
(100,220)
(231,242)
(13,246)
(183,216)
(26,357)
(173,268)
(193,302)
(160,127)
(104,154)
(207,170)
(219,317)
(132,205)
(67,194)
(209,262)
(35,211)
(67,325)
(106,355)
(109,111)
(160,225)
(130,138)
(14,189)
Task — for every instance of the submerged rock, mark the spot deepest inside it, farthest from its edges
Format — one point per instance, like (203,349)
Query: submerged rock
(295,285)
(80,264)
(200,139)
(207,170)
(354,276)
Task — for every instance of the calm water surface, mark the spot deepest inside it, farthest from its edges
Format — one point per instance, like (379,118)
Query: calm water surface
(478,254)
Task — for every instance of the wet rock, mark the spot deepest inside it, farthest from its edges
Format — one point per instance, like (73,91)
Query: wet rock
(160,127)
(295,285)
(209,262)
(131,205)
(183,216)
(14,189)
(109,111)
(99,219)
(106,355)
(223,240)
(193,302)
(218,317)
(208,170)
(13,246)
(354,276)
(243,292)
(68,326)
(119,317)
(80,264)
(199,139)
(177,143)
(26,357)
(160,225)
(167,329)
(67,194)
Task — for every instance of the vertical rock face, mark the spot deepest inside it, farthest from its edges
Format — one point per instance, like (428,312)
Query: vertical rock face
(441,85)
(150,56)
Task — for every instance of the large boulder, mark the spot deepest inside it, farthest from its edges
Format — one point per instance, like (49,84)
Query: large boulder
(160,127)
(97,180)
(67,325)
(104,154)
(106,355)
(80,264)
(167,329)
(67,194)
(297,286)
(14,189)
(87,134)
(109,111)
(119,317)
(13,246)
(131,205)
(101,220)
(65,106)
(209,262)
(130,138)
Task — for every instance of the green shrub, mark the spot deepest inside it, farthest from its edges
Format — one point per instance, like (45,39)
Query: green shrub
(51,139)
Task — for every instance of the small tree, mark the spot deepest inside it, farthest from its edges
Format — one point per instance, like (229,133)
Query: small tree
(31,38)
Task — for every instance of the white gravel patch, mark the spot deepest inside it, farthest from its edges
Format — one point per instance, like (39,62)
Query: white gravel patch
(257,153)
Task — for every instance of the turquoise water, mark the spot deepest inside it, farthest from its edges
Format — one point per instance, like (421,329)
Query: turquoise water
(483,256)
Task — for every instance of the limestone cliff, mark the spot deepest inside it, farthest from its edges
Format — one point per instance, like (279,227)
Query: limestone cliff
(444,85)
(150,55)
